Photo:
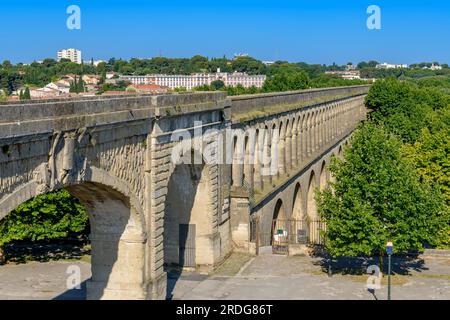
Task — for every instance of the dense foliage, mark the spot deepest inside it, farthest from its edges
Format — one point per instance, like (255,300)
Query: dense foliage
(378,197)
(50,216)
(393,183)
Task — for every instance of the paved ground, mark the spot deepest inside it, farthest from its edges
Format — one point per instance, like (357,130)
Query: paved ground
(263,277)
(41,280)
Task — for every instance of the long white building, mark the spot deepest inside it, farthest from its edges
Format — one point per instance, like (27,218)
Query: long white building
(196,80)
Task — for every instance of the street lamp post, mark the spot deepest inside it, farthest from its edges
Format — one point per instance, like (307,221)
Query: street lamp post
(389,250)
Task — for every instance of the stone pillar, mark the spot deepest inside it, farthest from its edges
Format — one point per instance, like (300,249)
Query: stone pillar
(274,154)
(238,167)
(257,180)
(117,268)
(288,154)
(308,138)
(281,157)
(300,141)
(240,220)
(294,152)
(267,153)
(320,127)
(317,132)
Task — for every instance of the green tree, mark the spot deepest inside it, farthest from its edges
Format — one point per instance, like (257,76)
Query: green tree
(26,94)
(217,85)
(430,156)
(403,108)
(378,196)
(50,216)
(287,81)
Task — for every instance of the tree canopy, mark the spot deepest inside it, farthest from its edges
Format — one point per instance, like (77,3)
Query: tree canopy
(377,197)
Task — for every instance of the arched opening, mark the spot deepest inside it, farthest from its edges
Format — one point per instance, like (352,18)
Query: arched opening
(267,157)
(188,219)
(311,202)
(116,238)
(311,210)
(301,140)
(297,211)
(257,182)
(340,153)
(308,135)
(247,174)
(281,149)
(279,228)
(274,153)
(236,175)
(294,144)
(323,176)
(287,132)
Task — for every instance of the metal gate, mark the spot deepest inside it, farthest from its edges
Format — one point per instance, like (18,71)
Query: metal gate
(280,237)
(187,245)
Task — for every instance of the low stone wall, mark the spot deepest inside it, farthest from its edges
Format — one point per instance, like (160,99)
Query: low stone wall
(42,109)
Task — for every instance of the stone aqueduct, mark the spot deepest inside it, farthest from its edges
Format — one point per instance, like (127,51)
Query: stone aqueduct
(116,154)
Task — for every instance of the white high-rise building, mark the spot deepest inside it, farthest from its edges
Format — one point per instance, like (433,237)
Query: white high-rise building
(73,55)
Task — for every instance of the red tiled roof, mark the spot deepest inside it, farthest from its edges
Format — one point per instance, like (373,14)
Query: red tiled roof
(116,92)
(147,86)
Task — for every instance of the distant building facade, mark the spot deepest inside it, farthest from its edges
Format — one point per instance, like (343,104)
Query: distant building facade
(391,66)
(433,67)
(349,74)
(196,80)
(73,55)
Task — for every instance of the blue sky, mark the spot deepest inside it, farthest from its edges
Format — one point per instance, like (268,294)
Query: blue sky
(296,30)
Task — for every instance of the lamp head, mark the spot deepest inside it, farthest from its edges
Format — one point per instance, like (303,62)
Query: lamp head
(389,247)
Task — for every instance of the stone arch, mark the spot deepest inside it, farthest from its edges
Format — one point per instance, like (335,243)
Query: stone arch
(274,158)
(266,156)
(190,214)
(257,157)
(301,141)
(118,237)
(311,207)
(294,142)
(237,162)
(319,127)
(315,136)
(323,176)
(307,134)
(340,152)
(297,206)
(279,221)
(281,148)
(247,174)
(288,145)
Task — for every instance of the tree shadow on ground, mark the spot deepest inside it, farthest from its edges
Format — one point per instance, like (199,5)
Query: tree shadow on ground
(400,264)
(46,250)
(74,294)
